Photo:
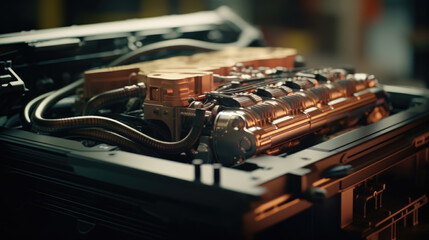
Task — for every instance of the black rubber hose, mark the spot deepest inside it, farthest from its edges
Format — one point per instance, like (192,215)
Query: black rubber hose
(104,136)
(114,96)
(57,125)
(93,133)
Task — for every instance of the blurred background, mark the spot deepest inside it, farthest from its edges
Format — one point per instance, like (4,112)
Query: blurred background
(389,38)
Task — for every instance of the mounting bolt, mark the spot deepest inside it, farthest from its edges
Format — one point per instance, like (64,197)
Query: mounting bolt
(197,169)
(316,194)
(216,173)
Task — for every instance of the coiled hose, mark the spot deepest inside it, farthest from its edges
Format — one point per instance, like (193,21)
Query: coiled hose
(58,125)
(114,96)
(92,133)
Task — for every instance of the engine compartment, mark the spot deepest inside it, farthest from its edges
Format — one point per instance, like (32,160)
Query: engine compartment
(220,107)
(234,143)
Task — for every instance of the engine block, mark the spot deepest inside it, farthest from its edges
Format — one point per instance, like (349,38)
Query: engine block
(255,100)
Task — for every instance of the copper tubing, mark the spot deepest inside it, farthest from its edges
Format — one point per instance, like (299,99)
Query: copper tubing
(57,125)
(113,96)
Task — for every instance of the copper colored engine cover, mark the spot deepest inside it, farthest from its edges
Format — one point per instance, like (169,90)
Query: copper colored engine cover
(172,81)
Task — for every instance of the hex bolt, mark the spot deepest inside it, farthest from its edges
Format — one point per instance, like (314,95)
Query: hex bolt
(197,169)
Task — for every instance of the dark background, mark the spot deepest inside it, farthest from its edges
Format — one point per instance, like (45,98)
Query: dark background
(389,38)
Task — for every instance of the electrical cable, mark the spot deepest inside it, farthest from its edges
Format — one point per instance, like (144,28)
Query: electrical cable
(31,105)
(242,41)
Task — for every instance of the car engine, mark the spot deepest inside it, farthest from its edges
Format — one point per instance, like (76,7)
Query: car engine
(225,106)
(188,127)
